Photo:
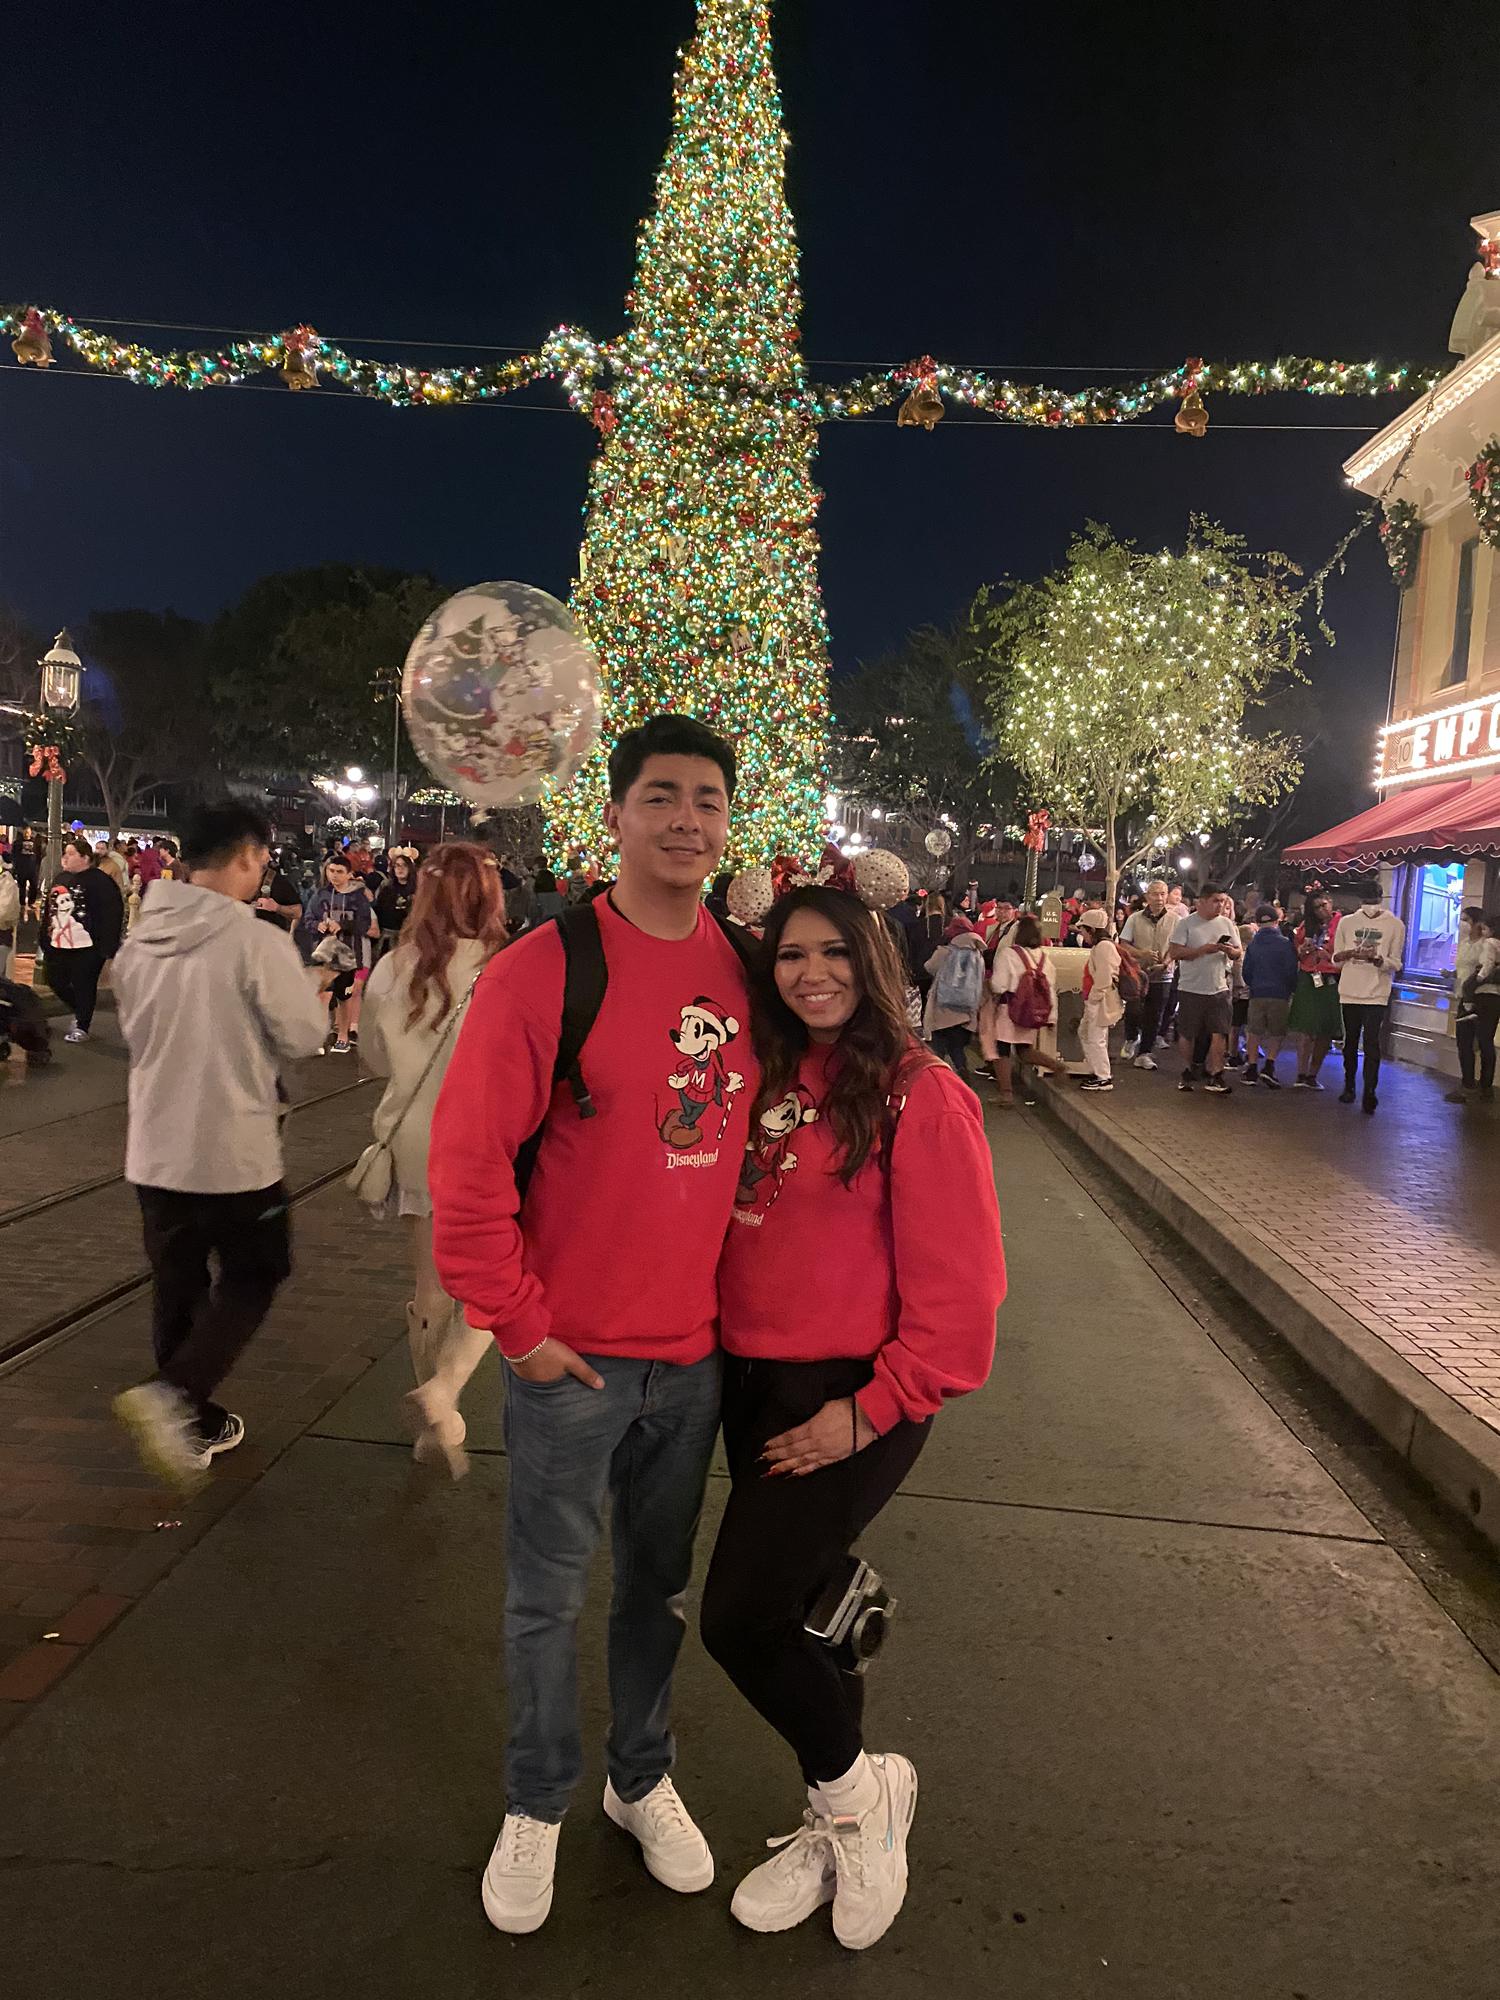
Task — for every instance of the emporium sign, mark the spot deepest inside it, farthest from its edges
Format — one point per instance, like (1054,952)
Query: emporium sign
(1445,743)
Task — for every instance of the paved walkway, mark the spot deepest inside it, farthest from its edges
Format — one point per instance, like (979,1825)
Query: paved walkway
(1188,1726)
(1396,1216)
(83,1529)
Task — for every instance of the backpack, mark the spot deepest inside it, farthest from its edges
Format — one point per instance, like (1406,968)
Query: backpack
(960,980)
(585,980)
(1029,1004)
(1130,980)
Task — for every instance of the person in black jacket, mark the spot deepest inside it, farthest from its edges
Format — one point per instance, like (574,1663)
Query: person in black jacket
(83,919)
(394,898)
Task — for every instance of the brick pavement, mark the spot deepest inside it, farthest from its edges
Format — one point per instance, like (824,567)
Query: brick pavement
(1395,1217)
(83,1530)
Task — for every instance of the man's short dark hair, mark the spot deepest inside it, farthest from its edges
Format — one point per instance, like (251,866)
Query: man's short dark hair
(667,736)
(215,833)
(1209,889)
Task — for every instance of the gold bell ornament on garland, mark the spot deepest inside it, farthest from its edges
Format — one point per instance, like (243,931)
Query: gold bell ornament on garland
(924,405)
(33,342)
(299,346)
(1192,415)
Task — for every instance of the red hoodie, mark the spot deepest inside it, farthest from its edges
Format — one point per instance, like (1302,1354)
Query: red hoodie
(814,1270)
(626,1212)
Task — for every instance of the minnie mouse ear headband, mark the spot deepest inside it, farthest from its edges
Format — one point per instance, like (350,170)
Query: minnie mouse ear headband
(404,854)
(878,878)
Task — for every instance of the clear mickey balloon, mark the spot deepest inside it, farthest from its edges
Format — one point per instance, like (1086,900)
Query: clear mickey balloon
(501,693)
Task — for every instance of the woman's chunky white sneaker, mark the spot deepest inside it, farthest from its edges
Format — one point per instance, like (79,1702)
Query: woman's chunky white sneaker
(784,1891)
(517,1887)
(674,1850)
(869,1857)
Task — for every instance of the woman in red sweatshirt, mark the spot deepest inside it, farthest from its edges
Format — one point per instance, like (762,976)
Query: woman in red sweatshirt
(847,1321)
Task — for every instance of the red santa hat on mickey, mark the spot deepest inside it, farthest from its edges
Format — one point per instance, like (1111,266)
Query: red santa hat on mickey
(706,1013)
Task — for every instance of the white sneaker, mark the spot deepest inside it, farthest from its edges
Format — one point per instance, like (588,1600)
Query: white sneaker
(784,1891)
(1144,1062)
(674,1850)
(161,1422)
(517,1887)
(869,1857)
(76,1034)
(1130,1051)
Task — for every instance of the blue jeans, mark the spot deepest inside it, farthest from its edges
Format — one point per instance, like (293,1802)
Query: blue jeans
(643,1442)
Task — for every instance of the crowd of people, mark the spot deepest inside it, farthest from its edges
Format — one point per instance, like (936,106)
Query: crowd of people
(1231,990)
(773,1168)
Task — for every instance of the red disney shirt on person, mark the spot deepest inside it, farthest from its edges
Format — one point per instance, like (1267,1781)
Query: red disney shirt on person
(906,1264)
(625,1213)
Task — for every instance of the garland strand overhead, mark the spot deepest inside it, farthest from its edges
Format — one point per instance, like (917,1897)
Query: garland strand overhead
(601,378)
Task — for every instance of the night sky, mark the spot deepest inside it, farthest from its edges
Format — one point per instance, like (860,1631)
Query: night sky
(1045,190)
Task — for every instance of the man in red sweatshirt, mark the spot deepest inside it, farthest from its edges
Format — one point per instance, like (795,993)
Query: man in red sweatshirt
(601,1293)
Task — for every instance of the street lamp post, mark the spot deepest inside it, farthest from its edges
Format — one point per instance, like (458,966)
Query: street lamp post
(61,671)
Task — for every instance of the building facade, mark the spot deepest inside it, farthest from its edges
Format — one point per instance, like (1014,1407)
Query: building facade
(1435,835)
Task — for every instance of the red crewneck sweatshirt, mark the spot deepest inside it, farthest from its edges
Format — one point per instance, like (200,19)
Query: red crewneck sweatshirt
(616,1249)
(906,1265)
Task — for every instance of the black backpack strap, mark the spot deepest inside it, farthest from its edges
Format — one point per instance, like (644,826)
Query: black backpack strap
(585,979)
(745,945)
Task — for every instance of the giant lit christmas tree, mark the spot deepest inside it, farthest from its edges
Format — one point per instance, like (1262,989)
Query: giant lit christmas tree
(698,581)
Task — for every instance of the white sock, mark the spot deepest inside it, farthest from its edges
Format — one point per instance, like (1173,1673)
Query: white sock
(855,1792)
(818,1803)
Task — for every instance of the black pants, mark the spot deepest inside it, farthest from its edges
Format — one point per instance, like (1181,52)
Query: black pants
(1169,1010)
(780,1541)
(1476,1036)
(1367,1021)
(200,1323)
(1143,1018)
(952,1045)
(74,978)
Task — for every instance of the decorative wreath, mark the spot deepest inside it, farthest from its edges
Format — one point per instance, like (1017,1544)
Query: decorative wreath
(1401,538)
(1484,492)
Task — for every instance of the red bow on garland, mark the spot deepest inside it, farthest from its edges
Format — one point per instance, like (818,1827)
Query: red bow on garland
(45,764)
(1036,830)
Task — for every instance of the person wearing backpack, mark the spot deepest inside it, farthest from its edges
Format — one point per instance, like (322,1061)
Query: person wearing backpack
(1026,997)
(953,1000)
(848,1323)
(10,915)
(1102,1005)
(582,1184)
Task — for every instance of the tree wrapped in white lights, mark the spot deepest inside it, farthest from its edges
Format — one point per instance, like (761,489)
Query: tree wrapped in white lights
(1133,690)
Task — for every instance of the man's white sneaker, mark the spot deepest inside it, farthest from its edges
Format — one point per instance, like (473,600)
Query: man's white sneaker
(1144,1062)
(784,1891)
(517,1886)
(76,1034)
(1129,1051)
(869,1857)
(674,1850)
(166,1436)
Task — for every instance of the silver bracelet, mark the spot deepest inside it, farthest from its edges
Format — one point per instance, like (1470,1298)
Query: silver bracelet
(531,1352)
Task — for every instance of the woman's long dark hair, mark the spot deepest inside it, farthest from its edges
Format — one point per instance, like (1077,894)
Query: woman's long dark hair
(875,1041)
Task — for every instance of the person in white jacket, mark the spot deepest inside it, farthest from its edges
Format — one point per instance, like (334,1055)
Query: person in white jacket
(211,1004)
(1367,949)
(1102,1005)
(414,1005)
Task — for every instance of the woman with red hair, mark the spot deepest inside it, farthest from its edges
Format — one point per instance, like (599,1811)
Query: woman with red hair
(414,1005)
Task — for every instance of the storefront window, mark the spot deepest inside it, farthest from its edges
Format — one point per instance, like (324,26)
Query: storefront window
(1437,897)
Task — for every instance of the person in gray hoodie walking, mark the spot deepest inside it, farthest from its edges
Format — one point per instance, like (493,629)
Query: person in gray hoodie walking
(211,1003)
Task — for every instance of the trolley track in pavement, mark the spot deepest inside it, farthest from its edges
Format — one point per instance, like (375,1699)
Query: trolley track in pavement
(25,1343)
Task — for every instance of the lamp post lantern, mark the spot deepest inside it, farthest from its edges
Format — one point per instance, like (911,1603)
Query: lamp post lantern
(62,671)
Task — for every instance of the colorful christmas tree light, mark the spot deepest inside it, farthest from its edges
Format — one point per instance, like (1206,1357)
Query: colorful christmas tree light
(698,577)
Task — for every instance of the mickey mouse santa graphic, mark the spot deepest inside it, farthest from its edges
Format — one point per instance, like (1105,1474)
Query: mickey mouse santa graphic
(701,1078)
(769,1157)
